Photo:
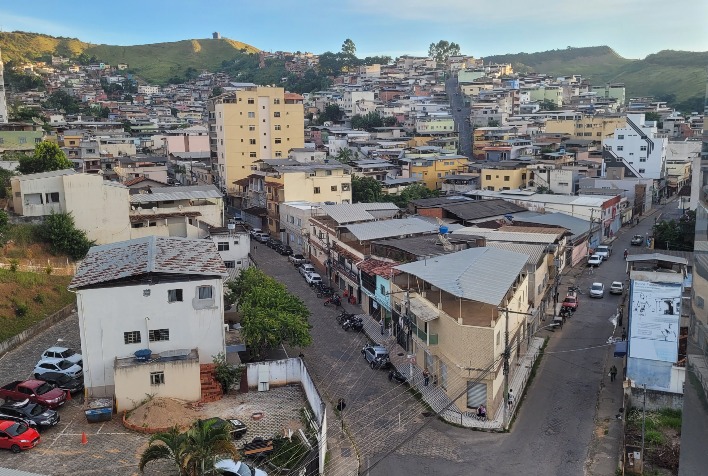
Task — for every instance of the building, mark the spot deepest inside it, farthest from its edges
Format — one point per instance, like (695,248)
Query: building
(156,293)
(506,175)
(99,207)
(432,170)
(639,148)
(233,244)
(458,322)
(253,123)
(586,126)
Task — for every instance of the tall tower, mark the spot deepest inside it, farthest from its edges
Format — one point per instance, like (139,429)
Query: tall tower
(3,102)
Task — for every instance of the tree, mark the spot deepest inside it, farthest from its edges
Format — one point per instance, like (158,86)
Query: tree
(4,227)
(170,445)
(217,91)
(366,190)
(47,157)
(442,50)
(346,155)
(60,99)
(676,234)
(653,116)
(330,64)
(5,176)
(415,191)
(59,230)
(270,315)
(348,47)
(332,112)
(368,121)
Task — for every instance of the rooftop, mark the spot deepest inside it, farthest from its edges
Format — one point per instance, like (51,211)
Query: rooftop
(509,236)
(159,194)
(376,230)
(41,175)
(356,212)
(152,254)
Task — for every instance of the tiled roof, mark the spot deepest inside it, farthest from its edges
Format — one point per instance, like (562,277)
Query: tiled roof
(151,254)
(378,267)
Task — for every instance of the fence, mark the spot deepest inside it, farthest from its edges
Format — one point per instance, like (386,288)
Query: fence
(61,267)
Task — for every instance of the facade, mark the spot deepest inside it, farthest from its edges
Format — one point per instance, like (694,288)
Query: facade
(432,170)
(99,207)
(513,177)
(156,293)
(584,126)
(294,222)
(254,123)
(639,147)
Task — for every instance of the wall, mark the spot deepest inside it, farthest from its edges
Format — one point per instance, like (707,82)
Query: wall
(300,186)
(656,400)
(13,342)
(132,383)
(106,313)
(239,247)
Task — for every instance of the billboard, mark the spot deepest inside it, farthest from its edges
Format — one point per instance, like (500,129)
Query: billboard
(655,311)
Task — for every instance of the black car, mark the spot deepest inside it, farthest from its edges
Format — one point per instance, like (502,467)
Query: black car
(273,243)
(6,416)
(41,416)
(236,427)
(62,381)
(284,250)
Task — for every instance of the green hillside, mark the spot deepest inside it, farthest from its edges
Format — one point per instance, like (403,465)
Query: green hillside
(155,62)
(677,76)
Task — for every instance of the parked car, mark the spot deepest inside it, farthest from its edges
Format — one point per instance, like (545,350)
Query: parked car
(306,268)
(273,243)
(571,302)
(597,290)
(637,240)
(62,366)
(18,419)
(63,353)
(261,237)
(34,391)
(616,287)
(313,278)
(604,252)
(62,381)
(376,355)
(284,249)
(16,436)
(236,427)
(255,231)
(40,415)
(297,259)
(594,260)
(229,467)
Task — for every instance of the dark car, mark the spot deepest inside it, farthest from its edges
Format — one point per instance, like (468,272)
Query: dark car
(42,416)
(273,243)
(284,250)
(62,381)
(236,427)
(8,417)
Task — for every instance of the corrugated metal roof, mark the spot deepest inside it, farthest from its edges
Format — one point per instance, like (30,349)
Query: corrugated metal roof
(176,193)
(355,212)
(535,252)
(151,254)
(377,230)
(479,274)
(577,226)
(516,237)
(41,175)
(188,188)
(478,209)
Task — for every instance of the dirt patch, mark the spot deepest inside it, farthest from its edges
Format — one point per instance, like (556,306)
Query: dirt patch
(164,413)
(662,438)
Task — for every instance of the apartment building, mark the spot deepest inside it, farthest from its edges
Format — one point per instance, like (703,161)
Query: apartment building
(639,148)
(252,123)
(504,176)
(434,169)
(584,126)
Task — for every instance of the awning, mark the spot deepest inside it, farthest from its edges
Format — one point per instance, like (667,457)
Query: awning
(621,348)
(421,309)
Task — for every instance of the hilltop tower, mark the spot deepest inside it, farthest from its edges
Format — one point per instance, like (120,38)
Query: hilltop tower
(3,102)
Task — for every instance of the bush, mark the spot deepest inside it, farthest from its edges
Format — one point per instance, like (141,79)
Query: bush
(21,309)
(24,234)
(62,235)
(14,265)
(226,374)
(38,298)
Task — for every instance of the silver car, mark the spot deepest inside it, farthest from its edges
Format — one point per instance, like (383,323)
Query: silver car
(597,290)
(61,366)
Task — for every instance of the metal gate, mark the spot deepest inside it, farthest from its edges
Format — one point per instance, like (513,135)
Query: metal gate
(476,394)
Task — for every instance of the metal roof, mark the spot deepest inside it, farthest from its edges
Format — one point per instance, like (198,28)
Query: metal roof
(478,274)
(576,226)
(151,254)
(535,252)
(160,194)
(657,257)
(41,175)
(512,236)
(355,212)
(377,230)
(478,209)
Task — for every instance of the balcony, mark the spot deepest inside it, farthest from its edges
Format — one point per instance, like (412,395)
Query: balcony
(424,338)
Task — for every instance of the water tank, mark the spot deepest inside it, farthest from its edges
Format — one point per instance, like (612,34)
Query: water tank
(443,230)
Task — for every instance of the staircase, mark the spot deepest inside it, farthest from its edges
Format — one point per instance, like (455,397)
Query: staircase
(211,389)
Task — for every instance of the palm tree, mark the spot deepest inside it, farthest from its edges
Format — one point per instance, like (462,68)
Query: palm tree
(171,445)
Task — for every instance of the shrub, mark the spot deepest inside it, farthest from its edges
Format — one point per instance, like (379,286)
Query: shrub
(21,309)
(226,374)
(48,269)
(14,265)
(654,437)
(60,232)
(38,298)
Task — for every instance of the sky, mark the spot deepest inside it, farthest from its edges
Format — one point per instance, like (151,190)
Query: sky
(633,28)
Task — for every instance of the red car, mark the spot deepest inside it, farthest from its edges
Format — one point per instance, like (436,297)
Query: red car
(571,302)
(16,436)
(35,391)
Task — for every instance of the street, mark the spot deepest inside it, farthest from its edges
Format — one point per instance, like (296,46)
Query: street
(457,101)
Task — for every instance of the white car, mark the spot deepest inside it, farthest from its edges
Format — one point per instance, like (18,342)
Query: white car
(603,251)
(616,287)
(62,366)
(63,353)
(597,290)
(305,269)
(229,467)
(313,278)
(594,260)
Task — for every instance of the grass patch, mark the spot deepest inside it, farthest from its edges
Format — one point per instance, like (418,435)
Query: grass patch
(19,306)
(669,418)
(287,453)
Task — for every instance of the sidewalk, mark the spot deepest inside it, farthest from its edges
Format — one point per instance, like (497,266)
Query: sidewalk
(435,396)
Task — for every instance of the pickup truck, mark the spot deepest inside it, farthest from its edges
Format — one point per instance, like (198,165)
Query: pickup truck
(36,391)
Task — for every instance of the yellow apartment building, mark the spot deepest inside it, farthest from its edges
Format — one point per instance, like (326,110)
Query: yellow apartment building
(253,123)
(503,178)
(432,170)
(587,127)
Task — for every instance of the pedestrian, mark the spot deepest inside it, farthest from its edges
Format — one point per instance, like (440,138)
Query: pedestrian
(255,248)
(426,377)
(624,334)
(341,405)
(435,380)
(383,326)
(510,399)
(613,373)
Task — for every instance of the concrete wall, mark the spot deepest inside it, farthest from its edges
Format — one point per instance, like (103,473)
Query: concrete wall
(132,383)
(15,341)
(656,399)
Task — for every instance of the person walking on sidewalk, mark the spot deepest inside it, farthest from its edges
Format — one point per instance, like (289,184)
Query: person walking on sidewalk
(510,399)
(613,373)
(624,334)
(426,377)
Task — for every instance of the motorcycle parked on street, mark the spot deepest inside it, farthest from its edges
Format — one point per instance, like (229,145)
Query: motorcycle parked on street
(333,299)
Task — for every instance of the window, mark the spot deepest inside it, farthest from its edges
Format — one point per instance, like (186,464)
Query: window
(132,337)
(620,147)
(174,295)
(23,140)
(157,378)
(252,141)
(252,155)
(276,114)
(641,171)
(506,178)
(333,188)
(230,264)
(278,140)
(644,148)
(345,187)
(251,128)
(276,101)
(52,197)
(487,177)
(317,189)
(252,115)
(277,127)
(222,246)
(498,337)
(278,153)
(620,136)
(156,335)
(251,101)
(642,159)
(205,292)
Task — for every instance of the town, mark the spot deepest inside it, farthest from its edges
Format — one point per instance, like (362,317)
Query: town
(422,261)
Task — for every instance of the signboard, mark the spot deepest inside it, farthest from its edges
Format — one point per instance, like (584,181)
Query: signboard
(655,311)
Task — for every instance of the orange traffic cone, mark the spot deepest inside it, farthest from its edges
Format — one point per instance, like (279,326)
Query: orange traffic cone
(84,440)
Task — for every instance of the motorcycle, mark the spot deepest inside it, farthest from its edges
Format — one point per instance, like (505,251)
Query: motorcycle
(397,376)
(353,322)
(333,299)
(343,316)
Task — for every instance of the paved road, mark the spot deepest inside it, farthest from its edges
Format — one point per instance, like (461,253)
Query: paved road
(461,116)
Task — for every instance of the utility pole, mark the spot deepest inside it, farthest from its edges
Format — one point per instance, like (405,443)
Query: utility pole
(507,353)
(644,419)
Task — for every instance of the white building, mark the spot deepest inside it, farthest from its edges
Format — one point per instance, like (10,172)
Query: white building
(640,147)
(147,89)
(233,244)
(156,293)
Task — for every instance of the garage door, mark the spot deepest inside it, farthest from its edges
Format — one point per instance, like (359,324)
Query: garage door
(476,394)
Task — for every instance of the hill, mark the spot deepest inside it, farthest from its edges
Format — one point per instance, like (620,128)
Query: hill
(675,76)
(155,62)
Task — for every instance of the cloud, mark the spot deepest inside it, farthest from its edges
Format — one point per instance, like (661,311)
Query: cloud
(11,22)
